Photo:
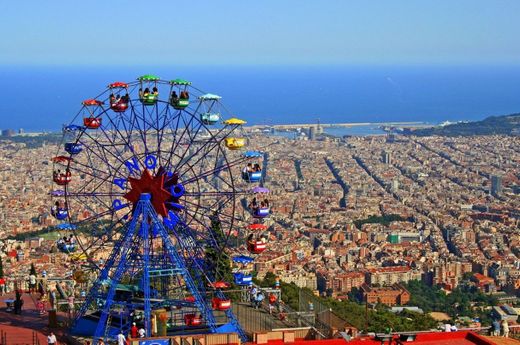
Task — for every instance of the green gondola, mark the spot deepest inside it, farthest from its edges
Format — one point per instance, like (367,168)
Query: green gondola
(149,99)
(181,82)
(179,103)
(148,77)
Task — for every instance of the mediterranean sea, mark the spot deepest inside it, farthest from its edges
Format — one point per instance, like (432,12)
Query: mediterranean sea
(43,98)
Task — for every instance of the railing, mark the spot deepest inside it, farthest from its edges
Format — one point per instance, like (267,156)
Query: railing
(299,319)
(35,340)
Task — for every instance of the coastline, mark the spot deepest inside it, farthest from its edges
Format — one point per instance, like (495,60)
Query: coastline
(343,124)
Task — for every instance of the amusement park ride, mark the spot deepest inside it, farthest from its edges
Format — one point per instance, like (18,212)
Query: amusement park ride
(146,182)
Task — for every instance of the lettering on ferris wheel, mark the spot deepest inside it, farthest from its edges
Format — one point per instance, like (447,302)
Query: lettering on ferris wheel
(150,162)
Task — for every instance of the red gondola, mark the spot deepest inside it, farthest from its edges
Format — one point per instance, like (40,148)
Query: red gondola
(220,285)
(118,84)
(62,178)
(92,122)
(192,320)
(257,227)
(91,102)
(190,299)
(220,303)
(119,106)
(256,247)
(272,298)
(61,159)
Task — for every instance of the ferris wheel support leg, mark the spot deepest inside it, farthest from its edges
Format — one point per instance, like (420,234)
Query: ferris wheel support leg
(116,277)
(146,271)
(94,291)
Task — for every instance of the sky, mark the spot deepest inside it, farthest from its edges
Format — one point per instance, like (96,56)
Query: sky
(266,32)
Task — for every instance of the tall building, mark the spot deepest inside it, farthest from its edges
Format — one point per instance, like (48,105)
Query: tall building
(312,133)
(7,132)
(386,157)
(496,185)
(395,184)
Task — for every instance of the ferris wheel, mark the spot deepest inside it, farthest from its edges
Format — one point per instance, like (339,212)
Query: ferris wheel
(146,184)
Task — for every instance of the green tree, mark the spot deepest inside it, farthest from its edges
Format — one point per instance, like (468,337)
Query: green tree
(268,281)
(464,300)
(217,260)
(354,313)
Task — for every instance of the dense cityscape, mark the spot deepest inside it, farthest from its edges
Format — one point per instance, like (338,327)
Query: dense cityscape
(353,218)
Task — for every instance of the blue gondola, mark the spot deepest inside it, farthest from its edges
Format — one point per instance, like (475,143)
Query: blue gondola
(60,213)
(251,177)
(209,118)
(66,248)
(73,148)
(261,212)
(253,154)
(243,279)
(58,192)
(72,128)
(66,226)
(243,259)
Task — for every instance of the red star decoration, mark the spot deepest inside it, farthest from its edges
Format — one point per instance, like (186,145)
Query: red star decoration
(151,185)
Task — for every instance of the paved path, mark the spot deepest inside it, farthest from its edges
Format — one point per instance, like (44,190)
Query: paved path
(24,329)
(504,341)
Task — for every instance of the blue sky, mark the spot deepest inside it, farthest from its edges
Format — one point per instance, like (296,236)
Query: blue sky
(267,32)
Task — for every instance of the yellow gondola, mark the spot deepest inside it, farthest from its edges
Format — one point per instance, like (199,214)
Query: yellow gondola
(235,143)
(234,121)
(78,256)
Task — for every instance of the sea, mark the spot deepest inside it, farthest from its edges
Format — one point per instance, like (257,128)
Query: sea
(42,98)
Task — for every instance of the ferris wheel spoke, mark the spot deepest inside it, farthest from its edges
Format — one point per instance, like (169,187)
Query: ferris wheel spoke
(136,125)
(208,234)
(197,215)
(94,194)
(148,126)
(94,169)
(159,129)
(89,198)
(91,174)
(208,173)
(103,158)
(204,146)
(125,139)
(94,217)
(174,136)
(100,240)
(200,194)
(129,130)
(210,209)
(91,185)
(187,129)
(179,140)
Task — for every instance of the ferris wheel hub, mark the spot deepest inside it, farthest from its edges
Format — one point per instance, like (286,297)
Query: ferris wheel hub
(153,186)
